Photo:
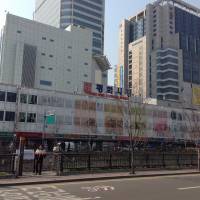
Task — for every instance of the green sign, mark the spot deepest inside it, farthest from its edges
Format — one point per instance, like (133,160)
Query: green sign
(50,119)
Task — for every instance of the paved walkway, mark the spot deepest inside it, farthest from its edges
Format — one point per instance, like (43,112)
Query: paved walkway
(50,177)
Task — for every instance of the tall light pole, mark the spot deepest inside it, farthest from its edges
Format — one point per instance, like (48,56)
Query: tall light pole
(132,171)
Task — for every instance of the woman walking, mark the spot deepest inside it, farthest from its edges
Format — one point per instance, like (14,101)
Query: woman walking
(40,154)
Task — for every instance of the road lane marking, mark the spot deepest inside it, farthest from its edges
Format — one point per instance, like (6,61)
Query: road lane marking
(98,188)
(189,188)
(43,192)
(127,179)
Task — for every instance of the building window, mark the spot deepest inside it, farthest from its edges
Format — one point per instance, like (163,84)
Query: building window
(31,117)
(51,40)
(10,116)
(43,54)
(23,98)
(69,47)
(2,96)
(173,115)
(51,56)
(68,82)
(69,57)
(68,103)
(22,117)
(85,63)
(44,38)
(50,68)
(11,97)
(69,70)
(1,115)
(152,43)
(161,42)
(42,67)
(104,75)
(86,49)
(85,75)
(19,31)
(32,99)
(46,83)
(68,120)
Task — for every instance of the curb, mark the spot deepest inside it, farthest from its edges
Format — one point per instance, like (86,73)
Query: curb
(94,179)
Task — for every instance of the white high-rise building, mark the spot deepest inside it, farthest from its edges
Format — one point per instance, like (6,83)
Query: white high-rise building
(86,13)
(37,55)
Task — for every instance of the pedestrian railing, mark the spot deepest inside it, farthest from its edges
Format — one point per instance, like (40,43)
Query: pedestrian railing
(7,163)
(67,162)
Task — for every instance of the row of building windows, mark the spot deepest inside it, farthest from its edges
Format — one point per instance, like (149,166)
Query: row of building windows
(24,117)
(165,60)
(8,96)
(168,66)
(44,54)
(79,8)
(44,38)
(166,53)
(165,75)
(90,19)
(89,5)
(85,24)
(168,97)
(77,21)
(165,83)
(97,43)
(166,90)
(27,117)
(7,116)
(43,67)
(191,69)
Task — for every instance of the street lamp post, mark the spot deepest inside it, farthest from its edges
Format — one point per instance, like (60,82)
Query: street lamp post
(21,156)
(132,171)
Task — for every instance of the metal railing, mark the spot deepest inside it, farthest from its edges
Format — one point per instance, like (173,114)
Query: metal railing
(68,162)
(7,163)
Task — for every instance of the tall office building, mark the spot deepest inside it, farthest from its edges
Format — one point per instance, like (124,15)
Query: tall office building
(87,13)
(160,51)
(129,31)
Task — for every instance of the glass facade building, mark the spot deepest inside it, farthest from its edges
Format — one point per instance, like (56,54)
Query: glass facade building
(188,27)
(85,13)
(88,14)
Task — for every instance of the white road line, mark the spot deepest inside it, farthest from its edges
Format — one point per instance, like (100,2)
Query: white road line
(189,188)
(126,179)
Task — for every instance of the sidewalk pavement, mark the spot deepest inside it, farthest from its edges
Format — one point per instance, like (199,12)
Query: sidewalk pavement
(50,177)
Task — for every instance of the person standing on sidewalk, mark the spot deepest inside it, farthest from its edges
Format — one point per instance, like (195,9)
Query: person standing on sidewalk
(40,154)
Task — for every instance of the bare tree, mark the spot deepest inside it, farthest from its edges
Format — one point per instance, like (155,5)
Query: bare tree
(133,112)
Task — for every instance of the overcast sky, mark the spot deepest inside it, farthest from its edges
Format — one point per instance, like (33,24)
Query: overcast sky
(116,10)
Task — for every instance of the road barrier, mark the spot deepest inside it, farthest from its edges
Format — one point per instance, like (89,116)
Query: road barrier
(7,163)
(68,162)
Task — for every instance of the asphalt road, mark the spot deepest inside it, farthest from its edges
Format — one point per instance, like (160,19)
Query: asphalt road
(158,188)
